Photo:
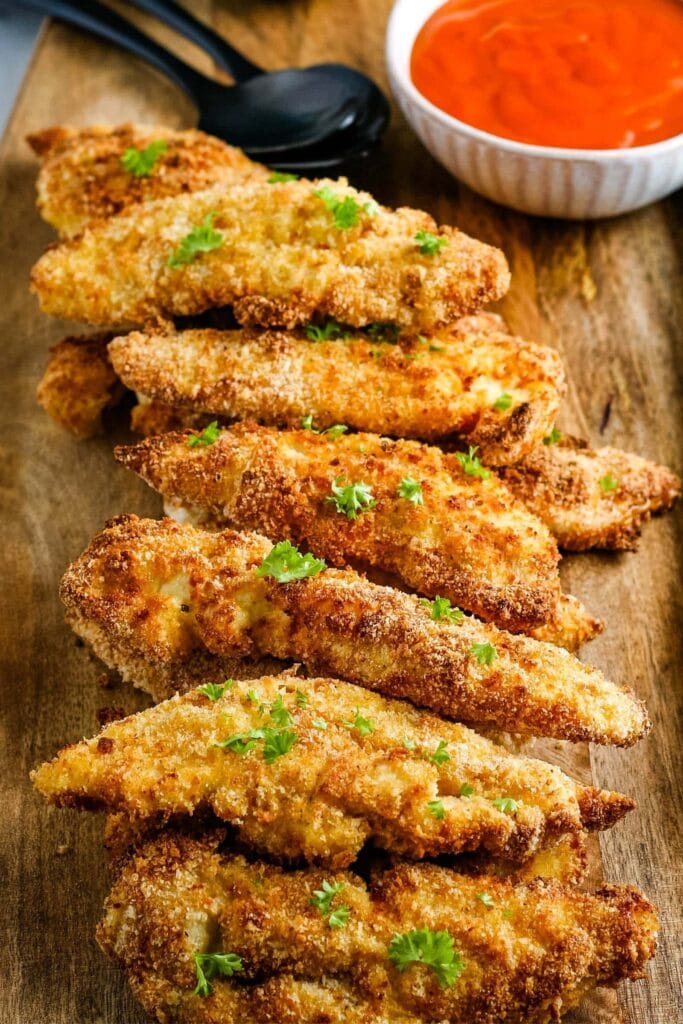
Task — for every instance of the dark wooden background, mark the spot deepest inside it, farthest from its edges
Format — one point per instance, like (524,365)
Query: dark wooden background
(608,296)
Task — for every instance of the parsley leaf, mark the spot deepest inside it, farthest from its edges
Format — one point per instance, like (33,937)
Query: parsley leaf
(411,490)
(279,713)
(328,332)
(506,804)
(339,917)
(441,608)
(276,743)
(503,402)
(285,563)
(279,176)
(322,900)
(435,949)
(553,437)
(437,808)
(301,699)
(466,790)
(319,723)
(485,654)
(428,243)
(440,755)
(202,238)
(384,330)
(216,690)
(307,423)
(242,742)
(608,483)
(209,435)
(364,726)
(486,899)
(333,432)
(209,965)
(409,743)
(140,162)
(471,464)
(345,211)
(350,499)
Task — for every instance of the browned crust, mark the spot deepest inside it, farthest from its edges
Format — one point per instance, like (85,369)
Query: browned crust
(561,484)
(178,896)
(148,596)
(79,383)
(82,180)
(116,272)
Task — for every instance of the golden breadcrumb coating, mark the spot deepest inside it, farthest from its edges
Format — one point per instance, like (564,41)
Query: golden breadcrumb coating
(152,598)
(468,540)
(439,386)
(316,768)
(526,959)
(79,383)
(82,179)
(560,483)
(281,261)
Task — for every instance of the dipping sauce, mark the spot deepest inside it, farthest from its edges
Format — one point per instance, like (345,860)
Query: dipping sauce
(585,74)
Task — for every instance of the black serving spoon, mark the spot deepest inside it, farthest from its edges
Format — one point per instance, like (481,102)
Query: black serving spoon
(270,115)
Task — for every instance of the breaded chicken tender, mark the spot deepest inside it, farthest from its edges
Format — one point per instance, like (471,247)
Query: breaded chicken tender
(591,498)
(281,254)
(442,386)
(79,383)
(82,178)
(416,944)
(456,534)
(152,598)
(316,768)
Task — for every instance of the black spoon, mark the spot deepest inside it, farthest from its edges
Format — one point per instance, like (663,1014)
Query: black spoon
(267,115)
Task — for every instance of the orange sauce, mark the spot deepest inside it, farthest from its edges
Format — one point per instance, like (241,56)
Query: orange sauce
(586,74)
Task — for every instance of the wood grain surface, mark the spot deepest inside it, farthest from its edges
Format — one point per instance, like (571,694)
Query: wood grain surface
(607,295)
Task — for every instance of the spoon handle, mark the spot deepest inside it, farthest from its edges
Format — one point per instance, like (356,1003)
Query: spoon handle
(179,19)
(104,22)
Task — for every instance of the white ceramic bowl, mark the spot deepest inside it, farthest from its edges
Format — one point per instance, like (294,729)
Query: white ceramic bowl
(553,182)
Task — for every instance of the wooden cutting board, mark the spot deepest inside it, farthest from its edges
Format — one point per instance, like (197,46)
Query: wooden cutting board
(607,296)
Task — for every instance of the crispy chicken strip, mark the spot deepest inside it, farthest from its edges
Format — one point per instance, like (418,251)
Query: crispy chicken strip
(468,539)
(79,383)
(592,498)
(316,768)
(82,179)
(280,253)
(151,598)
(431,388)
(528,957)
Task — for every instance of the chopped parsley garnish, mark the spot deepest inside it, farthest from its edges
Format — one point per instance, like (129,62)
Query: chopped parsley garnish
(435,949)
(471,464)
(364,726)
(466,790)
(608,483)
(301,699)
(441,608)
(210,965)
(384,330)
(411,490)
(328,332)
(350,499)
(307,423)
(242,742)
(279,713)
(437,808)
(333,432)
(409,743)
(202,238)
(508,914)
(276,177)
(428,243)
(285,563)
(322,900)
(216,690)
(485,654)
(319,723)
(140,162)
(503,402)
(345,211)
(277,742)
(253,696)
(208,436)
(486,899)
(506,804)
(553,437)
(440,755)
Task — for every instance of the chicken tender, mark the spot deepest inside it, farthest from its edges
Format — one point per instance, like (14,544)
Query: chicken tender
(398,506)
(82,178)
(591,498)
(152,598)
(79,383)
(316,768)
(281,254)
(416,943)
